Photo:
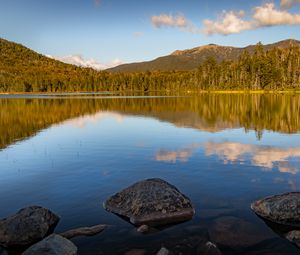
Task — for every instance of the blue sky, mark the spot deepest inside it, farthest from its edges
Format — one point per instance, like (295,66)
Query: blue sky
(106,30)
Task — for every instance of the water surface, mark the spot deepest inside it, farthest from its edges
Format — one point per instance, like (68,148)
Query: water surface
(223,151)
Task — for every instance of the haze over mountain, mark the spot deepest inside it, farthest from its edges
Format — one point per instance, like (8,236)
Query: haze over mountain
(192,58)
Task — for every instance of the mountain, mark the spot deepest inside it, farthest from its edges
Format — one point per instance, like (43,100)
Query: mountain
(24,70)
(189,59)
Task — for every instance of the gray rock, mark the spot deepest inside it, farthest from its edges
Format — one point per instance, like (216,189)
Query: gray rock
(208,248)
(52,245)
(294,237)
(235,232)
(152,202)
(84,231)
(282,209)
(163,251)
(28,226)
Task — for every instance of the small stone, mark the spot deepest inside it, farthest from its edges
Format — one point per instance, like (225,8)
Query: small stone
(52,245)
(163,251)
(84,231)
(27,226)
(135,252)
(143,229)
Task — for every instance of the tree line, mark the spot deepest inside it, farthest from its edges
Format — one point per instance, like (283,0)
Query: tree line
(22,70)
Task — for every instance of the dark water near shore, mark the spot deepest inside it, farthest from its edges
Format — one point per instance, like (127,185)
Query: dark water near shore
(223,151)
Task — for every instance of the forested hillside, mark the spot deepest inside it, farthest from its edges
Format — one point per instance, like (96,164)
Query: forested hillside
(23,70)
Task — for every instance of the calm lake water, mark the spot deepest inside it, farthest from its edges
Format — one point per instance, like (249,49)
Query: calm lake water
(223,151)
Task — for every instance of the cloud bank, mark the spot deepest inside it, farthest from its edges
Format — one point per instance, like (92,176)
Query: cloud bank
(233,22)
(262,16)
(79,60)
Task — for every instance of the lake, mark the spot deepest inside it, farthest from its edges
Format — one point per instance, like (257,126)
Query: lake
(69,153)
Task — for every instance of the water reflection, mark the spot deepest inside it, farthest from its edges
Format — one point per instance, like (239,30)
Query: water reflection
(23,117)
(81,122)
(173,156)
(265,157)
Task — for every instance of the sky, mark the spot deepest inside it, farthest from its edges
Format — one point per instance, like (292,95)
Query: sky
(105,33)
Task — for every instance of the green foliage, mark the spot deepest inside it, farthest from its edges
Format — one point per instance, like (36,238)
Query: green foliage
(23,70)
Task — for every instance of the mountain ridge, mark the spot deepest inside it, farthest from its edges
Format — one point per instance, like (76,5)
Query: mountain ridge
(184,60)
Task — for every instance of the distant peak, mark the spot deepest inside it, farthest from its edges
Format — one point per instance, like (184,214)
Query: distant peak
(199,49)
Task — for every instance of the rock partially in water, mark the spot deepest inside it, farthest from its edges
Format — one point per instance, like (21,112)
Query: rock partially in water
(152,202)
(27,226)
(294,237)
(84,231)
(52,245)
(235,232)
(282,209)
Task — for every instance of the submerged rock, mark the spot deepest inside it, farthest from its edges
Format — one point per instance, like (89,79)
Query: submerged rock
(152,202)
(27,226)
(235,232)
(282,209)
(52,245)
(84,231)
(294,237)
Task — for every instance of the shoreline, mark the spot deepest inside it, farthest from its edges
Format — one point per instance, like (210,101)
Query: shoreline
(157,91)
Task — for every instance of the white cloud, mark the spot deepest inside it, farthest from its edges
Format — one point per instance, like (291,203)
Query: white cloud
(288,3)
(230,23)
(262,16)
(169,21)
(79,60)
(233,22)
(267,15)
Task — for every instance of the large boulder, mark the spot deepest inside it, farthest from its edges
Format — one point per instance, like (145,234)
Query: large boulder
(52,245)
(282,209)
(28,226)
(152,202)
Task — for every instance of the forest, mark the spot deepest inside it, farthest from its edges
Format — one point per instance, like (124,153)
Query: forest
(23,70)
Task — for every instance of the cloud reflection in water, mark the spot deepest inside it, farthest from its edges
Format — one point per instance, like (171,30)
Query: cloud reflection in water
(266,157)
